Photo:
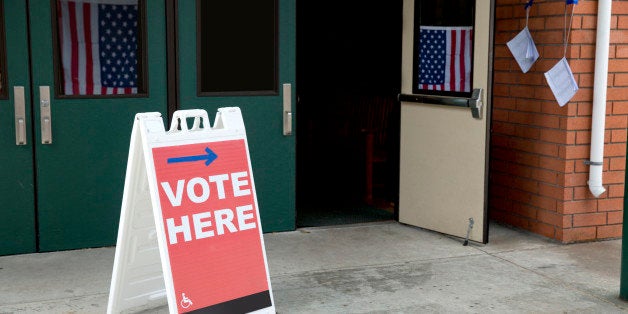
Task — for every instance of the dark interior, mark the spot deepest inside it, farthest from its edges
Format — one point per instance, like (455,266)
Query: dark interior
(348,79)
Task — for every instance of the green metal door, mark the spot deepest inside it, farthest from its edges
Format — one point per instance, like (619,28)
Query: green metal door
(242,53)
(17,198)
(78,137)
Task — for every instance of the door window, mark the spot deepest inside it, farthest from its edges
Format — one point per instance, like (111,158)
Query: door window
(237,50)
(99,47)
(443,47)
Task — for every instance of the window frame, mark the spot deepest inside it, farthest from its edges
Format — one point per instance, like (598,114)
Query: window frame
(4,86)
(270,92)
(416,51)
(142,86)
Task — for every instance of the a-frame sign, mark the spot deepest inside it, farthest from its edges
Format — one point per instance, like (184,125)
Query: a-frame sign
(189,227)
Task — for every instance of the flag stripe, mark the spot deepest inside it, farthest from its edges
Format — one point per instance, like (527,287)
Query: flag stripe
(80,41)
(95,69)
(89,66)
(453,65)
(74,45)
(445,58)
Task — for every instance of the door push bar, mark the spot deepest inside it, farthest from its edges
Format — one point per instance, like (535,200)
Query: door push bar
(474,103)
(20,115)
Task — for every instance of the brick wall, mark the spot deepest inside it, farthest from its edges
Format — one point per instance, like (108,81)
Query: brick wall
(538,179)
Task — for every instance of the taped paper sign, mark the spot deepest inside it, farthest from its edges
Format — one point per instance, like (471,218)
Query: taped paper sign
(562,82)
(523,49)
(205,219)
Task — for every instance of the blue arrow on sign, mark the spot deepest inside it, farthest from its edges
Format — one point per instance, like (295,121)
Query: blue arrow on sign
(209,158)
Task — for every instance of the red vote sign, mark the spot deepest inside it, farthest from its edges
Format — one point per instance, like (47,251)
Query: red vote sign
(212,228)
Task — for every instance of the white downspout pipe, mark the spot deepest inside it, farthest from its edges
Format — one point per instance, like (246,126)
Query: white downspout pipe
(599,97)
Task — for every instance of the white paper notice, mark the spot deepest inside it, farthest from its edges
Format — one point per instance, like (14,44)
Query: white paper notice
(523,49)
(561,81)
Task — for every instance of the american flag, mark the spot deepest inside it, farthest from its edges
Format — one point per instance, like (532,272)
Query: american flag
(445,58)
(99,44)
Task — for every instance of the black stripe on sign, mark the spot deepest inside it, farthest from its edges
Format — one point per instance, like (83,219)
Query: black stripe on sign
(246,304)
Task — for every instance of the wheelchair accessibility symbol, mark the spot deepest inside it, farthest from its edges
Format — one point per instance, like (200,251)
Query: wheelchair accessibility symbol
(185,301)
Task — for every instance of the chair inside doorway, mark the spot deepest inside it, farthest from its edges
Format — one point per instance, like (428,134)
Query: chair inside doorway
(348,79)
(347,161)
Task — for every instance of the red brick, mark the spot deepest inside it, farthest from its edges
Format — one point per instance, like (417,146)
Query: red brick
(506,25)
(616,190)
(618,37)
(526,158)
(534,119)
(610,231)
(501,90)
(530,146)
(582,66)
(621,52)
(583,137)
(556,164)
(615,150)
(577,234)
(617,93)
(519,170)
(579,36)
(524,210)
(521,91)
(615,217)
(542,202)
(549,37)
(622,22)
(618,163)
(613,177)
(619,135)
(589,22)
(550,107)
(575,179)
(542,229)
(553,191)
(617,122)
(500,115)
(578,123)
(547,176)
(498,140)
(500,204)
(593,219)
(582,193)
(550,218)
(610,204)
(579,207)
(586,7)
(585,80)
(567,221)
(504,103)
(529,105)
(620,107)
(509,218)
(621,79)
(583,94)
(574,152)
(527,132)
(503,128)
(503,12)
(620,7)
(555,136)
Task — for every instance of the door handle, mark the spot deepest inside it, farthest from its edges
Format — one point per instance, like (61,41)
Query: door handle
(20,115)
(46,117)
(287,109)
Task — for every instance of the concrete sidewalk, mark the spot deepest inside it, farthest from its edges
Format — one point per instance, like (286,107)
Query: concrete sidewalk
(376,268)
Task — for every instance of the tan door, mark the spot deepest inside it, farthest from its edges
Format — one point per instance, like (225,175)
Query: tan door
(444,151)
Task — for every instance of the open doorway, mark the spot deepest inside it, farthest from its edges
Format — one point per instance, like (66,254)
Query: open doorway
(348,79)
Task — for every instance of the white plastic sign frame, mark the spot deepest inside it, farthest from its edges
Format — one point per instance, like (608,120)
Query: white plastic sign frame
(189,225)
